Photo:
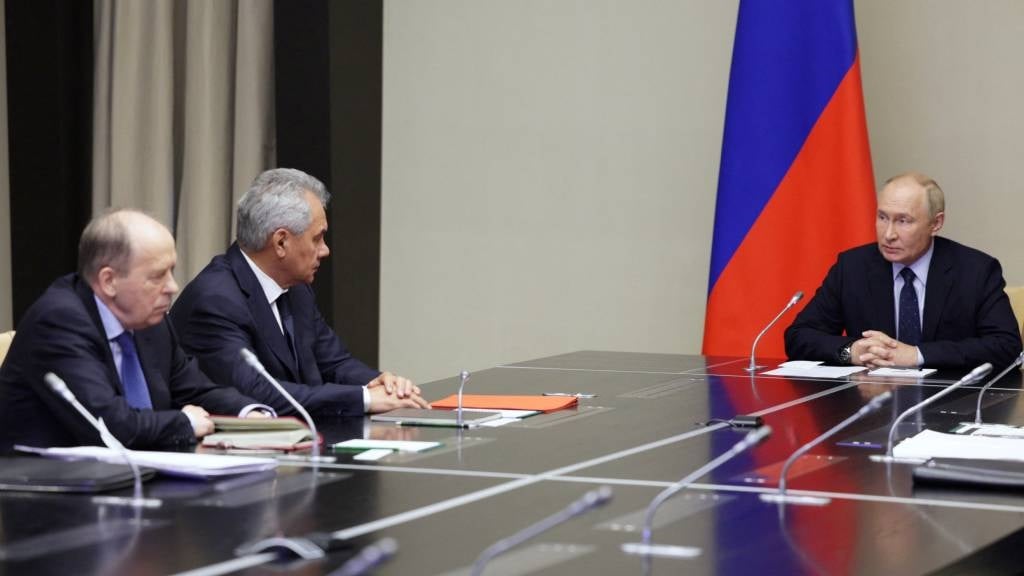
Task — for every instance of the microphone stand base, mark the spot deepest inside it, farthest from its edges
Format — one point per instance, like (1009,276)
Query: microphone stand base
(753,369)
(660,550)
(777,498)
(128,501)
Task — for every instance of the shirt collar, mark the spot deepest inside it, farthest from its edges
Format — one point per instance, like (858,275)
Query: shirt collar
(111,325)
(919,266)
(270,287)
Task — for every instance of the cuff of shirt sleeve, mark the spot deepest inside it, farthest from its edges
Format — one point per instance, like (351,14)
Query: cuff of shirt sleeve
(366,399)
(245,411)
(191,420)
(920,357)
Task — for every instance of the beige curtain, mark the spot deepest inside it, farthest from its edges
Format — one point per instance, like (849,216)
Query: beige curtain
(6,305)
(183,116)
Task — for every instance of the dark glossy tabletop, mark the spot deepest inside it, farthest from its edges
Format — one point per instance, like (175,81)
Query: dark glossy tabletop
(647,427)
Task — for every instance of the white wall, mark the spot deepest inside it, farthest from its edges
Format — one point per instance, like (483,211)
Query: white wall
(549,167)
(943,84)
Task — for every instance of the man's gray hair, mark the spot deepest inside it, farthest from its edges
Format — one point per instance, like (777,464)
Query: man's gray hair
(276,199)
(104,242)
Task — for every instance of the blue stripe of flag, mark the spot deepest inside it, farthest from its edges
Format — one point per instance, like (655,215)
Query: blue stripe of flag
(788,59)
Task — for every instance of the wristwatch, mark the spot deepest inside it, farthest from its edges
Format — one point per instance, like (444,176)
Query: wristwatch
(845,354)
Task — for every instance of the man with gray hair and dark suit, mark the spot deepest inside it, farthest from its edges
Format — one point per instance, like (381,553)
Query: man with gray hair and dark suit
(258,296)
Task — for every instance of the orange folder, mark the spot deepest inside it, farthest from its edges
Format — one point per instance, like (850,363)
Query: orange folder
(494,402)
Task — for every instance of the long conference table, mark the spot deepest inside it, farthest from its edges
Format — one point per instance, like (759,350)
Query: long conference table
(655,418)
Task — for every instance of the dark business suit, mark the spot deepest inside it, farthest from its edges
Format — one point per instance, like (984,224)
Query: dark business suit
(224,309)
(62,333)
(967,316)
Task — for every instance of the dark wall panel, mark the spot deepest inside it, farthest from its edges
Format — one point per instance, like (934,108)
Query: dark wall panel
(327,60)
(49,90)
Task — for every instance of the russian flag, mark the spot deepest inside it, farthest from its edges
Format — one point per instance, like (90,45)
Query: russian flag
(795,185)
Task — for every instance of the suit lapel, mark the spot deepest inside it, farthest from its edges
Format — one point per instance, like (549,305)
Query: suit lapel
(85,294)
(940,283)
(881,298)
(262,315)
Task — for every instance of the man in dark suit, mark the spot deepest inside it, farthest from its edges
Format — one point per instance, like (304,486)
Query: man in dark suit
(912,299)
(104,332)
(258,296)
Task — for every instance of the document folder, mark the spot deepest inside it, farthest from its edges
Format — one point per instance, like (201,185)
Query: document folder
(31,474)
(427,417)
(497,402)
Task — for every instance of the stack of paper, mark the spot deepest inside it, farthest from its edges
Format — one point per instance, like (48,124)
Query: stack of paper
(931,444)
(811,369)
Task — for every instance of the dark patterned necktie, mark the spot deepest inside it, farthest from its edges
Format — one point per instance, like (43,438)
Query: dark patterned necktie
(135,391)
(910,314)
(288,325)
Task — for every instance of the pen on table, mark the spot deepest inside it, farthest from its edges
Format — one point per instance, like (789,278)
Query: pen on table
(573,394)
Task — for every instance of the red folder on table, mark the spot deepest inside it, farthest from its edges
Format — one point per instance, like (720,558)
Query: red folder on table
(495,402)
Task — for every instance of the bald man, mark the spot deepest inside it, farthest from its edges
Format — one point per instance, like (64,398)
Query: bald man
(103,331)
(912,298)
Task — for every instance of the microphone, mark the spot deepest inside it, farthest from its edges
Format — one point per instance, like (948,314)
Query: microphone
(463,376)
(1017,362)
(253,361)
(866,409)
(971,377)
(589,501)
(792,302)
(368,558)
(61,389)
(752,438)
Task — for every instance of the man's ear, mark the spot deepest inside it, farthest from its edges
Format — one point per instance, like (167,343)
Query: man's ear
(106,279)
(279,240)
(937,222)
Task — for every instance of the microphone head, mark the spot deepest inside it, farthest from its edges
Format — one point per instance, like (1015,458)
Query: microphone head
(798,296)
(882,398)
(757,435)
(598,497)
(979,372)
(57,385)
(250,358)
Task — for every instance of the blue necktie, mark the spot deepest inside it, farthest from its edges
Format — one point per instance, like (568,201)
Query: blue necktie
(135,391)
(910,315)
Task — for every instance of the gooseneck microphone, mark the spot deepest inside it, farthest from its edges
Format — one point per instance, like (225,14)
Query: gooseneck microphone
(253,361)
(751,439)
(866,409)
(463,376)
(792,302)
(589,501)
(368,558)
(61,389)
(971,377)
(1017,362)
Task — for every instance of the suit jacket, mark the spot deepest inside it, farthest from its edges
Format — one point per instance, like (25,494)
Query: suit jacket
(967,316)
(62,333)
(224,309)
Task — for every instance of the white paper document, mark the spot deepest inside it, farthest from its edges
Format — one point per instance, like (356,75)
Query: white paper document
(812,369)
(399,445)
(902,372)
(931,444)
(173,463)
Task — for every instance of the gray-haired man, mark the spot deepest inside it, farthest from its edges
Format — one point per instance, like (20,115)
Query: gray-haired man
(258,296)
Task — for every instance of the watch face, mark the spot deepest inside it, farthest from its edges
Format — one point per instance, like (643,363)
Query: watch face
(844,354)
